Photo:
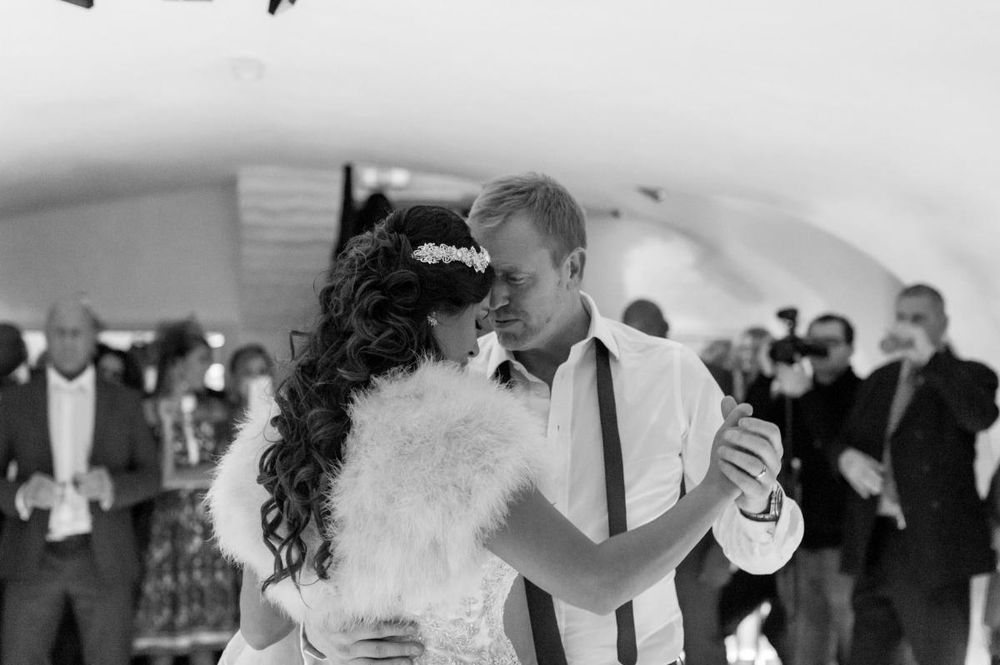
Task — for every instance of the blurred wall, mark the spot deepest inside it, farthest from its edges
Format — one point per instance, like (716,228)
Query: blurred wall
(139,259)
(736,270)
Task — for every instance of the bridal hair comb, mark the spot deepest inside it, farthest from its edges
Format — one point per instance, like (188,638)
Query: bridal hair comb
(431,253)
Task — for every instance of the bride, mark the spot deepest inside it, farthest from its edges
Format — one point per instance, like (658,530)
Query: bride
(385,484)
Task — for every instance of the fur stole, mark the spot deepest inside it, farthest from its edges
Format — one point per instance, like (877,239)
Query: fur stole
(432,462)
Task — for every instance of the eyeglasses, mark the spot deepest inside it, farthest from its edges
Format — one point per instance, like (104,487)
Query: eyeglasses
(828,342)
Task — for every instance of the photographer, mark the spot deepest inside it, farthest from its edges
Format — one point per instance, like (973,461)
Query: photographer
(813,588)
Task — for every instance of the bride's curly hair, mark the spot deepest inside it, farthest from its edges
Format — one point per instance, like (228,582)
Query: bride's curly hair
(373,318)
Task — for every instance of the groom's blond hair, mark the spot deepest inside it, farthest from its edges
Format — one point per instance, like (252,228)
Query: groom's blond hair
(551,208)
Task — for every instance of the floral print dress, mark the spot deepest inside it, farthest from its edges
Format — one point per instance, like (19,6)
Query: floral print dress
(189,598)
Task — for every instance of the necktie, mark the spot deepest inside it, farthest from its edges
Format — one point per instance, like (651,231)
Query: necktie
(888,503)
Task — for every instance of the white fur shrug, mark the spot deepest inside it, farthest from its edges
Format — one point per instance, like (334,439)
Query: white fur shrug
(432,462)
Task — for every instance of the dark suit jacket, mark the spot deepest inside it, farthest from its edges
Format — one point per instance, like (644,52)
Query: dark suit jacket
(933,451)
(122,443)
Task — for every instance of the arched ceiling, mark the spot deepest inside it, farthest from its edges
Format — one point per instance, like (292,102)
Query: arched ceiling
(872,122)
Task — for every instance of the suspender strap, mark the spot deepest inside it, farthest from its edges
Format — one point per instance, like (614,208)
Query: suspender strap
(614,483)
(544,626)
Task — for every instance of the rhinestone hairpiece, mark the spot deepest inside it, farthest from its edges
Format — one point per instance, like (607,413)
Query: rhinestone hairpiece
(431,253)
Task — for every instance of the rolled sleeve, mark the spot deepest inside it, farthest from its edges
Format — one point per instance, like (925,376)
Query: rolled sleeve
(759,547)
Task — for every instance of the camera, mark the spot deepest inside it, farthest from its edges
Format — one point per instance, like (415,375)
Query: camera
(791,348)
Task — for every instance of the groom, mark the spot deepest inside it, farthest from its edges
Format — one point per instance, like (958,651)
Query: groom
(546,332)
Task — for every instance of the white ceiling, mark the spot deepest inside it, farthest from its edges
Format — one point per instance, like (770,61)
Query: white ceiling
(873,121)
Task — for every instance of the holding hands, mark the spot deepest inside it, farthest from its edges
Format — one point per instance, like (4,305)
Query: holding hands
(96,485)
(747,453)
(41,491)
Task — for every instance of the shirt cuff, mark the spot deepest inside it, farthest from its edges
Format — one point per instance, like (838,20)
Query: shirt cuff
(310,654)
(759,547)
(23,509)
(108,500)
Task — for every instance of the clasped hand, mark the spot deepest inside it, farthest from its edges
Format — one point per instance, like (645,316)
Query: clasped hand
(42,491)
(918,348)
(792,380)
(864,473)
(746,456)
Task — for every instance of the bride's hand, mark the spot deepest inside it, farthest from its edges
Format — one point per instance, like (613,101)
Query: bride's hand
(386,644)
(716,476)
(748,453)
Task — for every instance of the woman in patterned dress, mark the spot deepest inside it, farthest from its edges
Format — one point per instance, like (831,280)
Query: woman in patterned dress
(189,595)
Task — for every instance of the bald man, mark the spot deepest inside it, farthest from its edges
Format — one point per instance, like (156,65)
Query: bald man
(916,529)
(84,457)
(646,316)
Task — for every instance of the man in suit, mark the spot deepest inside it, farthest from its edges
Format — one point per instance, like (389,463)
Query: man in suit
(915,528)
(84,457)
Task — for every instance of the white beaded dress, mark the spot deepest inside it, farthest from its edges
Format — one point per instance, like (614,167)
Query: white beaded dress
(433,460)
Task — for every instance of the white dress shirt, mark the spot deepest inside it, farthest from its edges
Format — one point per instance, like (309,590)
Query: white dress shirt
(668,413)
(71,407)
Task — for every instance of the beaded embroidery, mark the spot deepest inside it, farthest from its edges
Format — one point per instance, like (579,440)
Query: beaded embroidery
(431,253)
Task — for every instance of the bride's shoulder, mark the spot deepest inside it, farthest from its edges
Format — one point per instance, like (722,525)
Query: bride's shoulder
(439,434)
(433,459)
(443,400)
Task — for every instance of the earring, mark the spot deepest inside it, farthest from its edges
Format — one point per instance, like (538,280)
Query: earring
(431,320)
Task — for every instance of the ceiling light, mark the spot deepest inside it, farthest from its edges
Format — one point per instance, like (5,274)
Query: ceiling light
(657,194)
(373,177)
(246,68)
(87,4)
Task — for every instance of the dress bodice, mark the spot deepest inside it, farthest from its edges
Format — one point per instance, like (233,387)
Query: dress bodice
(198,429)
(470,630)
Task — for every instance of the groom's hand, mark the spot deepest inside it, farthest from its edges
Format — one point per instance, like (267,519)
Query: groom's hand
(750,458)
(385,644)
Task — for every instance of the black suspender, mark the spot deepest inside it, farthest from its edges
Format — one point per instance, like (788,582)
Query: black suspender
(548,644)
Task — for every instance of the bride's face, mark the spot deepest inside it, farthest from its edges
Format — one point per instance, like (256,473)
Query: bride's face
(457,334)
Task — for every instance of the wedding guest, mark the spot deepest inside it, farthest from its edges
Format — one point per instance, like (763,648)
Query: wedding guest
(189,595)
(84,457)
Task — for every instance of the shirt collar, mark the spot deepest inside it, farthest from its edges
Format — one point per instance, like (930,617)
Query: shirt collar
(83,383)
(599,329)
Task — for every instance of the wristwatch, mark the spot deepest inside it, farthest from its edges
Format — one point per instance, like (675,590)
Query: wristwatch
(773,510)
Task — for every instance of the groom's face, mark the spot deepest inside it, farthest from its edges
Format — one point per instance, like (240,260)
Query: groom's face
(530,290)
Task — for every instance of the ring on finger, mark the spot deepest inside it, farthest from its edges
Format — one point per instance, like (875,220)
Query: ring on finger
(763,470)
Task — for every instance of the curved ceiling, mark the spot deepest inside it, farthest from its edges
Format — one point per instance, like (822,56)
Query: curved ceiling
(875,123)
